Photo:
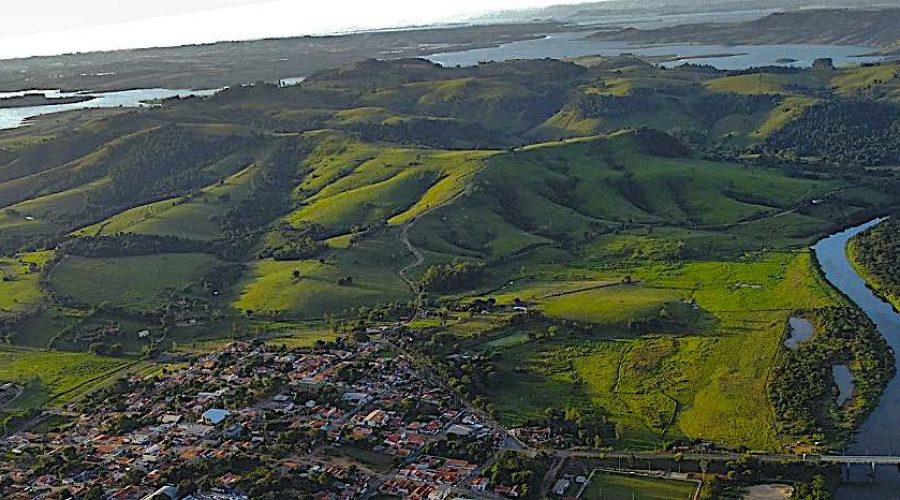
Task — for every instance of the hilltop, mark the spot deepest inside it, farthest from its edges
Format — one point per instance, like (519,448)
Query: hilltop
(609,237)
(875,27)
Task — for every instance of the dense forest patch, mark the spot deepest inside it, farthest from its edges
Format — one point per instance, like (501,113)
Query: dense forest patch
(846,132)
(875,253)
(803,389)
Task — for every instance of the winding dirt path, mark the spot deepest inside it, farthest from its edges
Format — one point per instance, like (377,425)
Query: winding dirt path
(419,256)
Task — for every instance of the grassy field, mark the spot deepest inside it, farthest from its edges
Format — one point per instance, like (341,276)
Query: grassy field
(660,385)
(194,217)
(53,376)
(19,282)
(354,184)
(38,330)
(624,487)
(136,283)
(270,287)
(302,337)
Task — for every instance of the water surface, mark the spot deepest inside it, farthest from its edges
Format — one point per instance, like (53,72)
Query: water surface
(880,433)
(800,329)
(730,57)
(844,380)
(15,117)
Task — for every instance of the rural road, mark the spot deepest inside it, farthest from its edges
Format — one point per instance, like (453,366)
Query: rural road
(419,256)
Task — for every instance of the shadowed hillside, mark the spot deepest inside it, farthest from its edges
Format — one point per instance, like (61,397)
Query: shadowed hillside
(554,220)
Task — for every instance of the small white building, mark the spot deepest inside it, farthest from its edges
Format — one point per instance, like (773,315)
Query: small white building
(561,486)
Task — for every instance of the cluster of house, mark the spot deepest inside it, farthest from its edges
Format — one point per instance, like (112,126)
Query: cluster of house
(533,436)
(237,401)
(429,478)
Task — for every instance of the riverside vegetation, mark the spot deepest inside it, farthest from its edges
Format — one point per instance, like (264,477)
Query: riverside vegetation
(603,250)
(874,254)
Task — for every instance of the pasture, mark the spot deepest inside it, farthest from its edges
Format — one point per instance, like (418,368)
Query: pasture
(663,384)
(53,377)
(20,290)
(134,283)
(611,486)
(271,289)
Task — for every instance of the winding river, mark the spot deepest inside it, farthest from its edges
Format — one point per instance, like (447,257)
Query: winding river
(880,433)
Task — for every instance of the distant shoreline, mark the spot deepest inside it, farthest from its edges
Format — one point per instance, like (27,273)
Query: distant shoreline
(30,100)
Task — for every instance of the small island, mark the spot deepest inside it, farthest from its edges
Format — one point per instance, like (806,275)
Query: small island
(35,99)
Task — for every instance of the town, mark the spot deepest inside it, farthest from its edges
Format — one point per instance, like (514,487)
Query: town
(252,420)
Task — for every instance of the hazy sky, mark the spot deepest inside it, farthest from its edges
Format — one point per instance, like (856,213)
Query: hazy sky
(60,26)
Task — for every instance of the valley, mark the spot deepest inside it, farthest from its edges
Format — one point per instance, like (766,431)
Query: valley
(602,247)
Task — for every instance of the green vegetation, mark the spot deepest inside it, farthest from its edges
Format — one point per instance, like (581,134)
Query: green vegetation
(20,290)
(131,283)
(623,487)
(53,376)
(310,289)
(874,254)
(802,387)
(699,370)
(510,469)
(608,239)
(193,216)
(854,133)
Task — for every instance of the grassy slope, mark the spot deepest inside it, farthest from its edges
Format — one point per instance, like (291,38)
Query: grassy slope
(270,288)
(520,199)
(354,184)
(135,283)
(192,217)
(51,375)
(710,383)
(20,288)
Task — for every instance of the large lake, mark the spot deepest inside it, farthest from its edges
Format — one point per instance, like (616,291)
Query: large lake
(730,57)
(15,117)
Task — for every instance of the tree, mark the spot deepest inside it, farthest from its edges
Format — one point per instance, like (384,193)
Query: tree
(94,493)
(98,348)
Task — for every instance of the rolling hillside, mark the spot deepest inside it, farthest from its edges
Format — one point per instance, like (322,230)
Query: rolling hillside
(875,27)
(658,218)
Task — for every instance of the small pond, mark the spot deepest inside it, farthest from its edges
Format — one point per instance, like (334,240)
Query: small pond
(844,380)
(801,329)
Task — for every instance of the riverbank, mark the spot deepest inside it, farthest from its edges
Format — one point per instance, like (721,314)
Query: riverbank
(878,434)
(30,100)
(874,283)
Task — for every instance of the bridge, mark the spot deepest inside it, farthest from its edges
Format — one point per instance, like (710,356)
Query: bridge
(860,459)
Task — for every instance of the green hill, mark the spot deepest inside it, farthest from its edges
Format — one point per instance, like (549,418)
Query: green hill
(657,221)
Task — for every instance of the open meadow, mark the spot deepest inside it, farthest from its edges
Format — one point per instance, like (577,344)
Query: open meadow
(135,283)
(701,373)
(53,377)
(612,486)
